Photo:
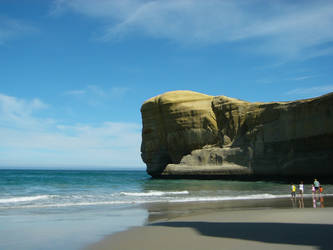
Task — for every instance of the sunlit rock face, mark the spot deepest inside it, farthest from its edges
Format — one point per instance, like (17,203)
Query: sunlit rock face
(174,124)
(191,134)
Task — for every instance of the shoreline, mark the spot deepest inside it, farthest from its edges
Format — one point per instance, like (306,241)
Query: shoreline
(199,223)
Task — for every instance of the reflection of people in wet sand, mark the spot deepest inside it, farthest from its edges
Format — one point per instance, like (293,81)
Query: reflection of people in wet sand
(301,202)
(321,196)
(318,202)
(321,201)
(314,201)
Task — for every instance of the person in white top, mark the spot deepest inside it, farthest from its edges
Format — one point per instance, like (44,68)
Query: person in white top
(301,192)
(301,188)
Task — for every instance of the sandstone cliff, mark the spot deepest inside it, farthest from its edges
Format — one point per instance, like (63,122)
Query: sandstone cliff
(191,134)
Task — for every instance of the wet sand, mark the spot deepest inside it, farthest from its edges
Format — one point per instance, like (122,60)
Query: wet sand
(262,224)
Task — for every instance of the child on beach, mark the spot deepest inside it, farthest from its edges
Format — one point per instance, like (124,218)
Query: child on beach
(293,191)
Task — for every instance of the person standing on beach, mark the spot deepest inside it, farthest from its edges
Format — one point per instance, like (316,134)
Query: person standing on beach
(301,192)
(313,190)
(301,189)
(293,191)
(316,185)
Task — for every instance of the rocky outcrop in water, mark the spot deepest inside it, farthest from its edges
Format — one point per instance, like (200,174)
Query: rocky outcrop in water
(191,134)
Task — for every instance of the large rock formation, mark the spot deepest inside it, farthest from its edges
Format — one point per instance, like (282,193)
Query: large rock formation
(191,134)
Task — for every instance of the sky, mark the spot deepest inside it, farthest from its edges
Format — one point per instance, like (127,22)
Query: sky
(74,73)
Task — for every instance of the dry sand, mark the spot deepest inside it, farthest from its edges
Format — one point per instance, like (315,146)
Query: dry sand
(265,228)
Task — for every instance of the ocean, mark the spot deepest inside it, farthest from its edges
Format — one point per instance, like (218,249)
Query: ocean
(58,209)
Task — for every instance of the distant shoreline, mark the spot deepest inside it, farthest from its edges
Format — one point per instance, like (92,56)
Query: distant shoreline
(327,179)
(274,178)
(71,169)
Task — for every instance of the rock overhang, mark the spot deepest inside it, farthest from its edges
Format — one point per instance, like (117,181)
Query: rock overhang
(255,138)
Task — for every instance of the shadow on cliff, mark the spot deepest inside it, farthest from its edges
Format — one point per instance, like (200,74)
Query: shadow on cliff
(319,235)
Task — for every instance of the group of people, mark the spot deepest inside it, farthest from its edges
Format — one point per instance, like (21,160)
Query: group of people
(316,188)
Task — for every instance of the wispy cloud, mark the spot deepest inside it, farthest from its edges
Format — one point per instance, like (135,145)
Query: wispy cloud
(30,140)
(12,28)
(271,80)
(95,95)
(19,113)
(96,90)
(301,78)
(75,92)
(119,91)
(310,91)
(291,29)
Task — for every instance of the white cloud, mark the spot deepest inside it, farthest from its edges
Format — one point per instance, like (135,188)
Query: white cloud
(286,28)
(19,113)
(11,28)
(28,140)
(311,91)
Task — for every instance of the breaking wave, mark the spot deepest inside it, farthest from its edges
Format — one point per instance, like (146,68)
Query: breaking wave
(153,193)
(24,198)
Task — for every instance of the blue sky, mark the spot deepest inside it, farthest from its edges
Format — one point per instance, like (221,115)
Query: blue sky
(74,73)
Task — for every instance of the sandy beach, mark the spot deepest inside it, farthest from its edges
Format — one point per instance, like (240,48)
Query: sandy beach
(261,227)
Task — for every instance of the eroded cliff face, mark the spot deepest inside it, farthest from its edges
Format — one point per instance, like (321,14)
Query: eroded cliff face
(174,124)
(188,133)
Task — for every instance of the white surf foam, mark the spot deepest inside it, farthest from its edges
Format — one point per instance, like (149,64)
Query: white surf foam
(55,205)
(229,198)
(145,201)
(24,198)
(153,193)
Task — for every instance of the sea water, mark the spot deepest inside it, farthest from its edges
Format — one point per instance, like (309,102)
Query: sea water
(53,209)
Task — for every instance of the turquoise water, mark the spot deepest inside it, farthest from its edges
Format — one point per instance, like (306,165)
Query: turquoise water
(70,209)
